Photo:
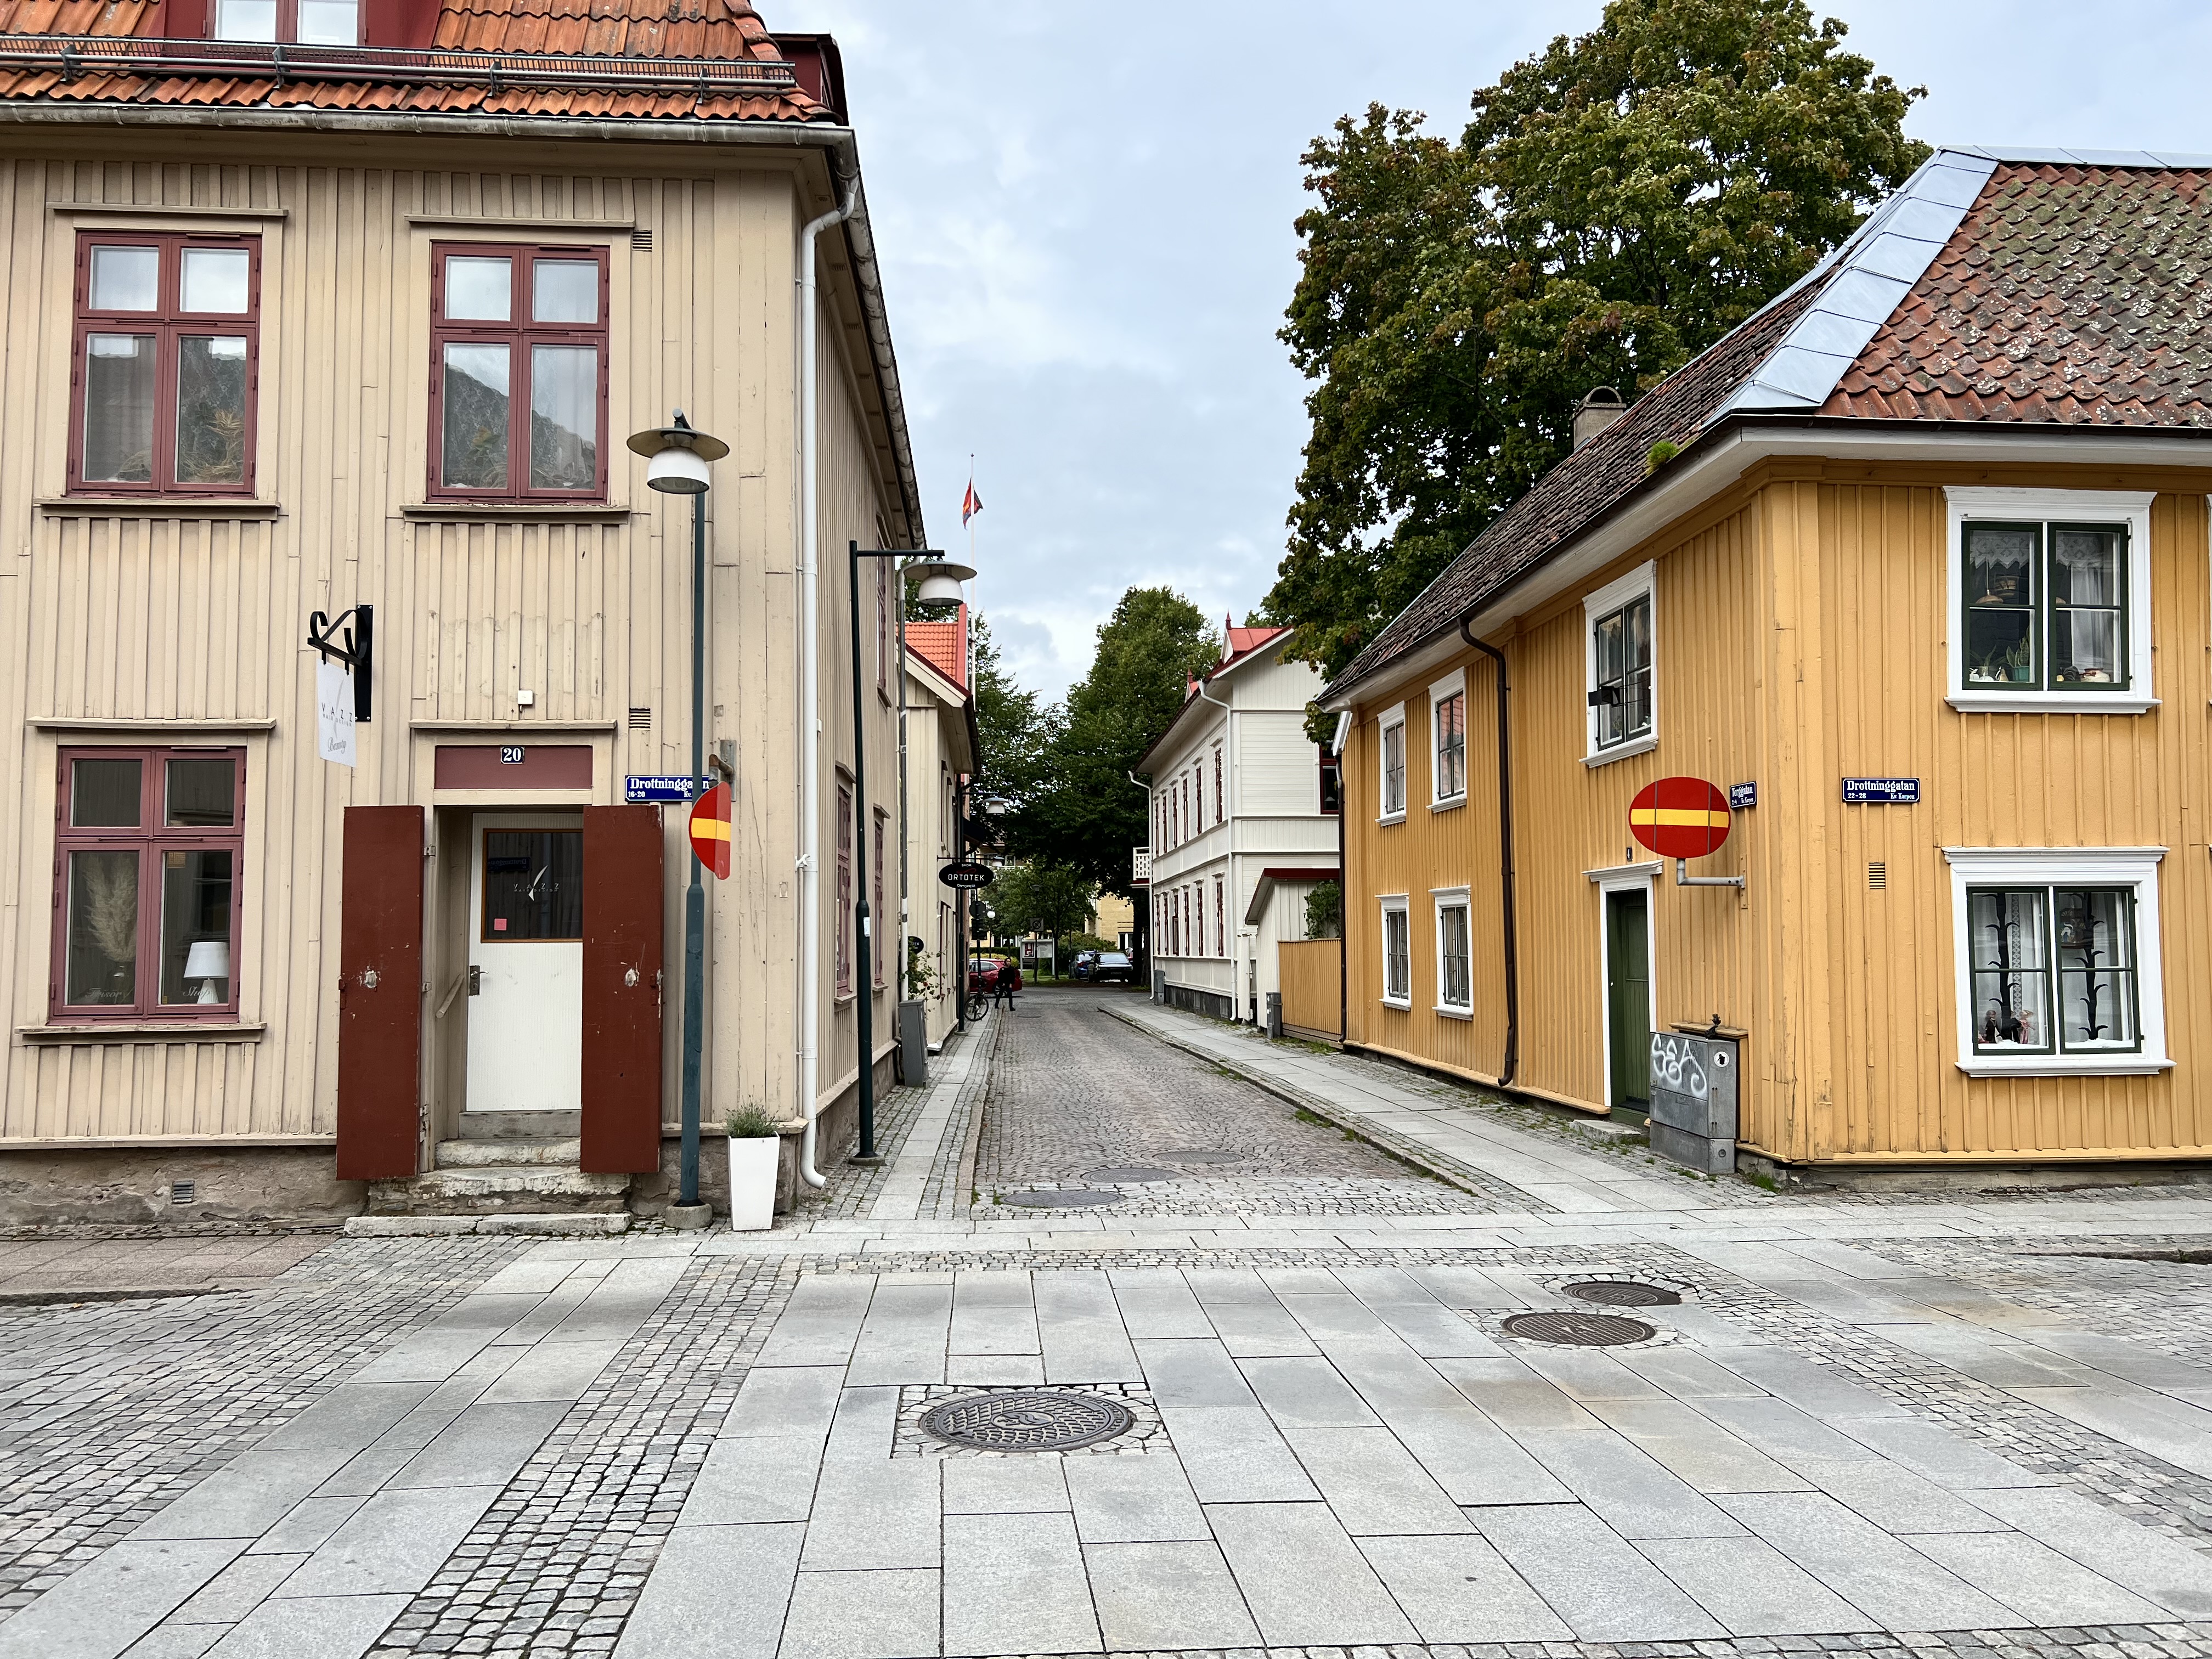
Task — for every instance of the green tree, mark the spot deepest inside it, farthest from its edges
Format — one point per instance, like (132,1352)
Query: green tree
(1619,202)
(1016,726)
(1087,814)
(1050,899)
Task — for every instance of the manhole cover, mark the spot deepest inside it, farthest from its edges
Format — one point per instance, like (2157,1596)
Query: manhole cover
(1198,1155)
(1128,1172)
(1029,1422)
(1063,1198)
(1580,1330)
(1624,1293)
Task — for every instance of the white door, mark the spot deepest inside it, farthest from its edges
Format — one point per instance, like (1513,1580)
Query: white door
(526,963)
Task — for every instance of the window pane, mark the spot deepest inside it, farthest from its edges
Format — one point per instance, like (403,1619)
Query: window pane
(104,794)
(211,410)
(2085,567)
(2096,957)
(2000,647)
(201,793)
(126,278)
(196,925)
(1609,663)
(246,20)
(533,885)
(102,965)
(474,442)
(330,23)
(479,290)
(1456,992)
(1636,703)
(2007,936)
(2000,621)
(564,418)
(1636,632)
(2085,615)
(119,407)
(216,279)
(565,290)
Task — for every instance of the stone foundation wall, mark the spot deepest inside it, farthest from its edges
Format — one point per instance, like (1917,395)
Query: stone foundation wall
(133,1186)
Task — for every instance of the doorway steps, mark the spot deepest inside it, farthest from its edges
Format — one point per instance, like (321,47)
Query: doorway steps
(536,1177)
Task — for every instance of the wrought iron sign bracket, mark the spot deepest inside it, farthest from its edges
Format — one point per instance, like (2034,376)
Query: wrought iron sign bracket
(354,647)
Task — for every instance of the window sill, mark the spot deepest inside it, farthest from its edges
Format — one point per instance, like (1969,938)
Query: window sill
(1452,804)
(1443,1012)
(518,512)
(1392,817)
(2050,702)
(2065,1065)
(1643,745)
(1405,1006)
(143,1031)
(158,507)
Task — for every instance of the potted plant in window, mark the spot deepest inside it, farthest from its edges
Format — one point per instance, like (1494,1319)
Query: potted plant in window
(754,1148)
(2021,660)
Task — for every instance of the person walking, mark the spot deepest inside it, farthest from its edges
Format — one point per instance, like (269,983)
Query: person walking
(1010,981)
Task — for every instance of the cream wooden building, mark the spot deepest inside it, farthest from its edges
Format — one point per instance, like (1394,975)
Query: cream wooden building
(942,743)
(367,328)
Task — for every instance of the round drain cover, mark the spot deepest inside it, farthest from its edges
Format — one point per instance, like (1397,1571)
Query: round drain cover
(1120,1172)
(1062,1198)
(1579,1330)
(1027,1422)
(1200,1155)
(1624,1293)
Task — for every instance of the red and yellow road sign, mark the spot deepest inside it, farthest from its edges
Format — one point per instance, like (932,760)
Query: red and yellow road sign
(1680,817)
(710,831)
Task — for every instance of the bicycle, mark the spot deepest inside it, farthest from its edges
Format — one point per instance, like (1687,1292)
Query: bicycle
(978,1002)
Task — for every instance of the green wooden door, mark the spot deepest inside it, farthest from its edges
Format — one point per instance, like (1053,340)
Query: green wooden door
(1628,997)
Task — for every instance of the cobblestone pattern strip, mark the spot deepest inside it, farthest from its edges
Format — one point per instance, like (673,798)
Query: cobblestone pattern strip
(556,1565)
(110,1411)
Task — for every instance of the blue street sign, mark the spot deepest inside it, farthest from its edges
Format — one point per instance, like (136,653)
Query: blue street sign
(1887,791)
(1741,795)
(637,790)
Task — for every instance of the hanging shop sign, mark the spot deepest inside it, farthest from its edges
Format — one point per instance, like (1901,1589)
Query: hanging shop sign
(966,874)
(1887,792)
(662,789)
(1680,817)
(710,831)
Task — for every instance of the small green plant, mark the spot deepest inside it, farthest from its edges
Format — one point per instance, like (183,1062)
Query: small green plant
(1659,454)
(1325,911)
(749,1122)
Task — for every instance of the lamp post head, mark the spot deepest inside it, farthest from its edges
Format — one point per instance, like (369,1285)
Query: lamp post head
(678,457)
(940,579)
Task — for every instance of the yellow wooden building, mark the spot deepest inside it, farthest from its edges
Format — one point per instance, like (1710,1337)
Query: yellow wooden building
(1916,560)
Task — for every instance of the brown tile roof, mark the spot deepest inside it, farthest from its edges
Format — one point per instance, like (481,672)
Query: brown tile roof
(703,59)
(2069,294)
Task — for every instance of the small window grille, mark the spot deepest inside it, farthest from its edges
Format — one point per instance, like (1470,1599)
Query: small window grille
(641,241)
(184,1192)
(640,720)
(1878,875)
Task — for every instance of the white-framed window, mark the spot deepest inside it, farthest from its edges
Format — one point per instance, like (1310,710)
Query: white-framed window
(1397,953)
(1455,957)
(1620,667)
(2055,957)
(1391,750)
(1448,740)
(2050,593)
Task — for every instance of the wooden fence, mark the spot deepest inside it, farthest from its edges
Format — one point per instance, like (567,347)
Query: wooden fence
(1313,1001)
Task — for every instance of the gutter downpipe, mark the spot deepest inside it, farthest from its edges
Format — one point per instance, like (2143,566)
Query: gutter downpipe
(1235,892)
(810,696)
(1512,1061)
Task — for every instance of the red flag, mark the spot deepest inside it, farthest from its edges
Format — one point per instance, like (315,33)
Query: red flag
(970,507)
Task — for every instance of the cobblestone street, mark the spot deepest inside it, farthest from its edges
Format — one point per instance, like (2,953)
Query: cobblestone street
(1264,1304)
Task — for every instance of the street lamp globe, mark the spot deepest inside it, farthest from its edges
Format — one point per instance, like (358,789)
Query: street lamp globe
(940,579)
(678,457)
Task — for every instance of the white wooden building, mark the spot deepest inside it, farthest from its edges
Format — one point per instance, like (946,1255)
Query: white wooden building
(1243,827)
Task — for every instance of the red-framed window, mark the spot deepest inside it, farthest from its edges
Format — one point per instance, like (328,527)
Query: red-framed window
(877,923)
(165,364)
(303,22)
(518,372)
(148,846)
(844,885)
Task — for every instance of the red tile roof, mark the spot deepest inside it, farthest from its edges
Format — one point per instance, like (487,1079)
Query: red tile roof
(943,646)
(1244,640)
(700,60)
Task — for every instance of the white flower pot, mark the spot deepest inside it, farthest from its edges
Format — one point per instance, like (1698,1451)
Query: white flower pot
(752,1182)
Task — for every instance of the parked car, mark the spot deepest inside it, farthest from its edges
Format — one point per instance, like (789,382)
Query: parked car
(1080,967)
(1111,967)
(983,972)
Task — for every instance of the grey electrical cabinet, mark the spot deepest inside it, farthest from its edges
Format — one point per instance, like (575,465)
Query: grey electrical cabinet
(1694,1100)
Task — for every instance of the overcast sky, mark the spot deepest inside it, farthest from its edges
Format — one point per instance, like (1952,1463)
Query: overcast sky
(1085,219)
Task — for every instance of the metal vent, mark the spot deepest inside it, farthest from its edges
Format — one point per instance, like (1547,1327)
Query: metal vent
(1579,1330)
(1623,1293)
(641,241)
(1031,1421)
(184,1192)
(1878,875)
(640,720)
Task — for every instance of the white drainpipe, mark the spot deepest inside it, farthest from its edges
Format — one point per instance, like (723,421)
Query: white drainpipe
(1233,899)
(810,695)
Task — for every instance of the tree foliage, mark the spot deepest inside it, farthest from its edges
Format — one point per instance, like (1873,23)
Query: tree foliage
(1618,202)
(1016,726)
(1050,899)
(1083,811)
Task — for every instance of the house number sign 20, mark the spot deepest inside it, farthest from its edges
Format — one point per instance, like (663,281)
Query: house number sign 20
(510,756)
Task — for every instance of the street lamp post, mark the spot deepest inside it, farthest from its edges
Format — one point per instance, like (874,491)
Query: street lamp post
(678,457)
(940,581)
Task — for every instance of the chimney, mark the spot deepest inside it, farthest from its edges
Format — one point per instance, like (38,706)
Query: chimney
(1596,412)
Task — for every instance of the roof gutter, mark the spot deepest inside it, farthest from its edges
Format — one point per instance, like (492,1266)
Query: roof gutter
(840,146)
(1728,448)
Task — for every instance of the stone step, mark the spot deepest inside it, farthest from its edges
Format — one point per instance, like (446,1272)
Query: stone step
(553,1225)
(485,1154)
(497,1190)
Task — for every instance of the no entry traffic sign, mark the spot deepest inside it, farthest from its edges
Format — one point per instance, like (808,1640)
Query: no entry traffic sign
(1680,817)
(710,831)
